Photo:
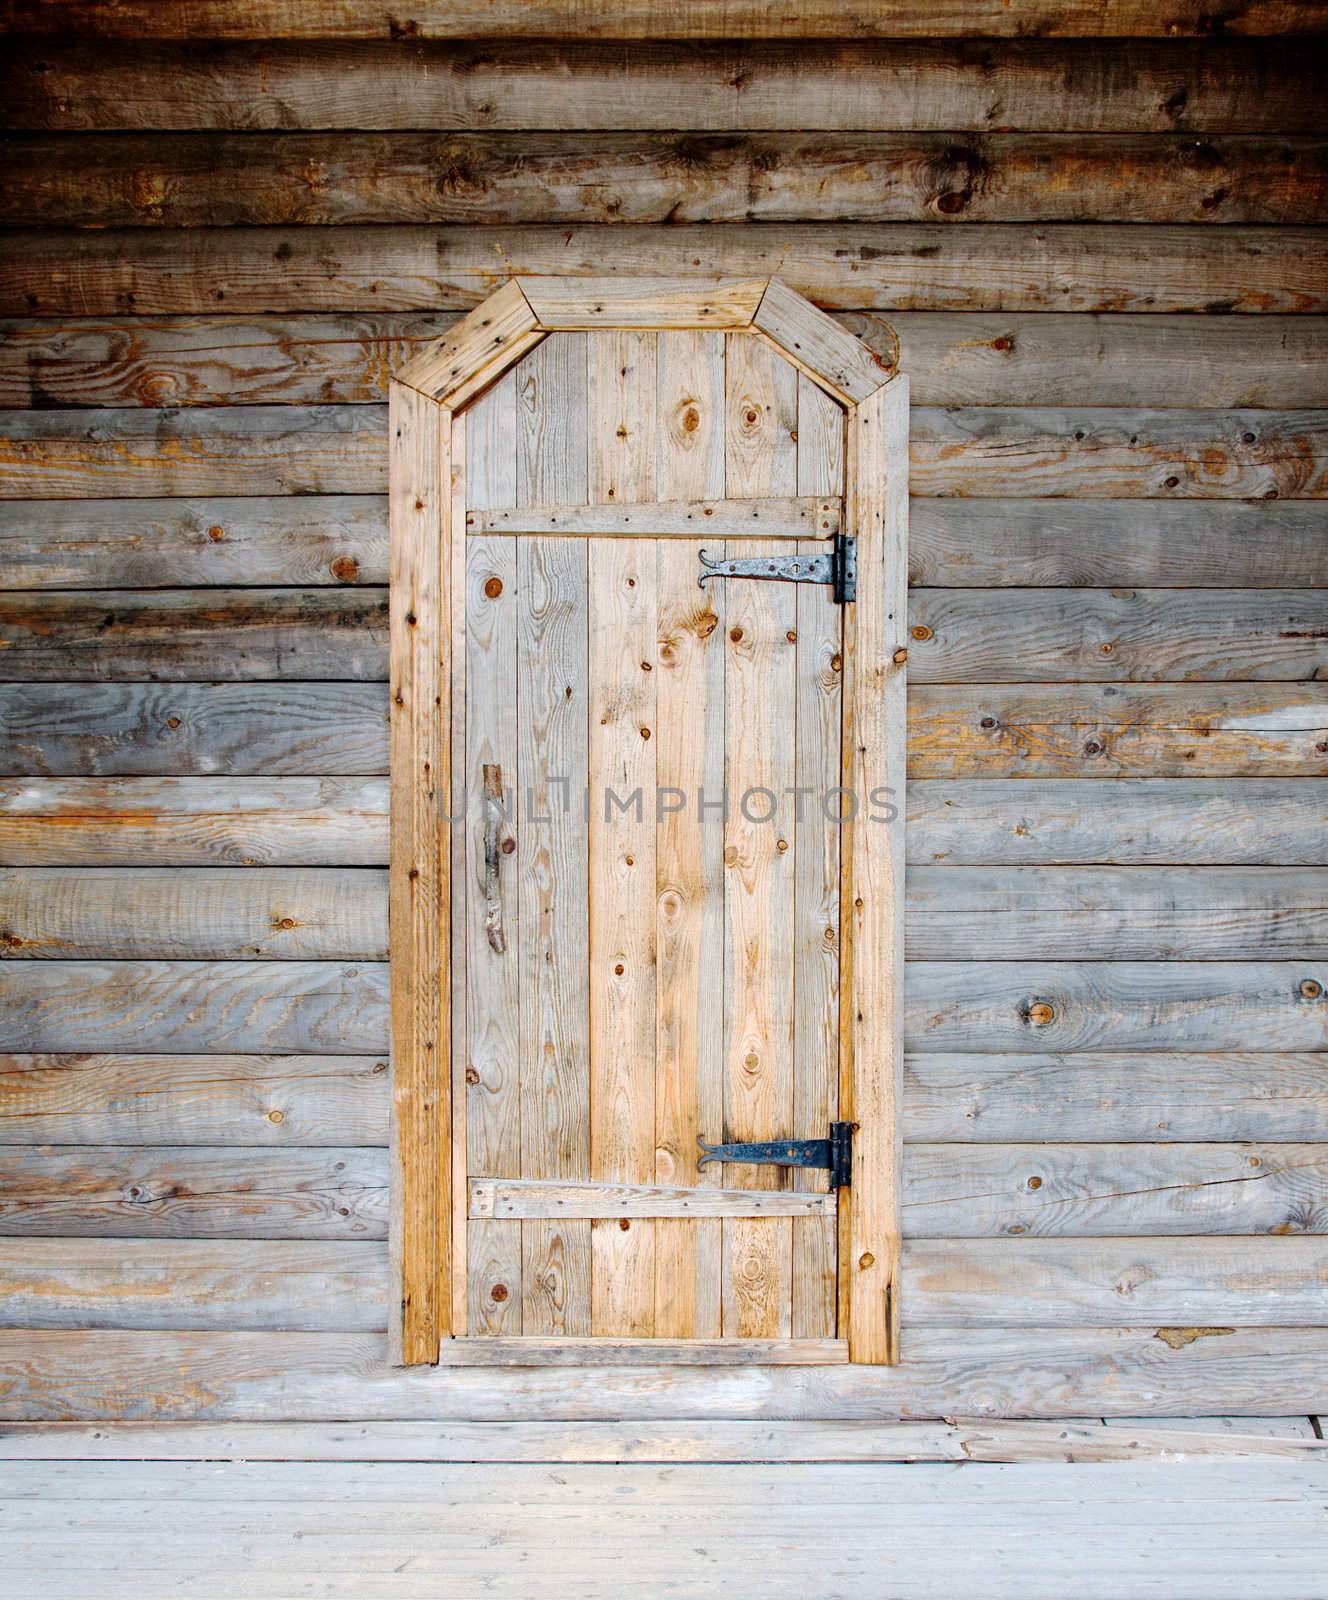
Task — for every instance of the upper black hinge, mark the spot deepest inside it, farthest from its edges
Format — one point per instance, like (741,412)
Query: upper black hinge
(838,566)
(834,1153)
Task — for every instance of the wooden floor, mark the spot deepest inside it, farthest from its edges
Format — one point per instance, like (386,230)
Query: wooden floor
(1107,1511)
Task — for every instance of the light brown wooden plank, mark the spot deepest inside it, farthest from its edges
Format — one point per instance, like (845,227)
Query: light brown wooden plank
(689,936)
(145,1100)
(646,19)
(121,1192)
(151,544)
(833,359)
(952,358)
(419,444)
(457,366)
(150,729)
(292,914)
(100,1376)
(1110,730)
(1209,85)
(214,1283)
(193,822)
(143,180)
(552,696)
(798,517)
(1150,1096)
(609,302)
(622,1351)
(532,1198)
(842,267)
(623,631)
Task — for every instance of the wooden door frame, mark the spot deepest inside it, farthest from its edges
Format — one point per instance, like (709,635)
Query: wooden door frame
(426,512)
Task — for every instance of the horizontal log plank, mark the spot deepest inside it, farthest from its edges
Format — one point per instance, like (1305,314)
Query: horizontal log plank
(223,1283)
(263,180)
(1141,1096)
(1216,544)
(328,1007)
(953,913)
(1100,1190)
(952,358)
(1123,821)
(269,1377)
(648,19)
(1212,85)
(1112,730)
(122,730)
(193,822)
(122,1192)
(1166,635)
(974,451)
(197,822)
(148,1100)
(263,914)
(842,266)
(309,1286)
(303,540)
(291,1007)
(532,1197)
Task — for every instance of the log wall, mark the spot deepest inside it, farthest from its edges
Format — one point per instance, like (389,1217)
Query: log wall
(1102,264)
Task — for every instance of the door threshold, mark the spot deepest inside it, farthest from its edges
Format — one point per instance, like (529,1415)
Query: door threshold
(505,1351)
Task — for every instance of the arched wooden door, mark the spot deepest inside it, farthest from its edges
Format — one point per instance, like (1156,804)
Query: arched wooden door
(648,674)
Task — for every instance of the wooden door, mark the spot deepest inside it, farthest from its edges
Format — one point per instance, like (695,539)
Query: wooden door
(657,800)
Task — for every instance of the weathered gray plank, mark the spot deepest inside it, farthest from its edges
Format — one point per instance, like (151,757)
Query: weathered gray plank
(224,914)
(1112,1190)
(151,544)
(144,1100)
(1139,821)
(843,267)
(58,730)
(1111,86)
(121,1192)
(275,1377)
(258,179)
(1144,1095)
(193,822)
(1122,1005)
(1117,913)
(1111,730)
(175,1283)
(952,358)
(278,1006)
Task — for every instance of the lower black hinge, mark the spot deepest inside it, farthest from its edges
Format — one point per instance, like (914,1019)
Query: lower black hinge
(837,566)
(834,1153)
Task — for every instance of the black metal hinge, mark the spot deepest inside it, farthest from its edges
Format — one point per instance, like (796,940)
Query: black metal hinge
(834,1153)
(838,566)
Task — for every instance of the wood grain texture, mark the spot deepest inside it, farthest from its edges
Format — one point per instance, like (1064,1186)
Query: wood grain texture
(265,1376)
(788,517)
(121,1192)
(193,822)
(146,730)
(952,358)
(1127,1096)
(529,1197)
(461,363)
(1109,730)
(840,266)
(284,1007)
(646,19)
(1126,821)
(149,1100)
(1216,544)
(1173,85)
(221,180)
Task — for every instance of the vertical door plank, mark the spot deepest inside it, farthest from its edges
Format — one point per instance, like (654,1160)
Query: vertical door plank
(872,905)
(816,905)
(492,1059)
(420,507)
(552,699)
(760,697)
(622,745)
(689,1073)
(456,846)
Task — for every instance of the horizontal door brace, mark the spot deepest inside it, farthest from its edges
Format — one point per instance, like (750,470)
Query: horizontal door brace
(534,1198)
(800,517)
